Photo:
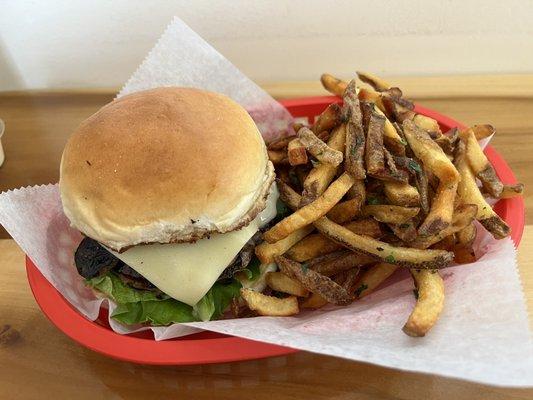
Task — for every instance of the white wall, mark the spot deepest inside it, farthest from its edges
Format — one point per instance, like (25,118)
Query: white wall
(59,44)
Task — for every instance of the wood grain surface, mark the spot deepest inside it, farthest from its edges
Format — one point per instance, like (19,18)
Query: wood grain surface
(37,361)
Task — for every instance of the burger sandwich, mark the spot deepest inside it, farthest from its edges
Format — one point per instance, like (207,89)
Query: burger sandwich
(171,188)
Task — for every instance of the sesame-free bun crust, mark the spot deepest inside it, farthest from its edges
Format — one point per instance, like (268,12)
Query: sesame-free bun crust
(164,165)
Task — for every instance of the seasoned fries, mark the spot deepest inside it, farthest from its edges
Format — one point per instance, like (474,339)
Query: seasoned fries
(374,153)
(311,212)
(278,157)
(390,214)
(316,245)
(464,216)
(429,304)
(404,256)
(483,131)
(315,301)
(280,144)
(330,118)
(469,193)
(512,191)
(282,283)
(267,251)
(345,211)
(377,83)
(321,175)
(315,282)
(372,278)
(432,156)
(355,136)
(401,194)
(320,150)
(480,165)
(333,85)
(268,305)
(340,263)
(296,152)
(374,186)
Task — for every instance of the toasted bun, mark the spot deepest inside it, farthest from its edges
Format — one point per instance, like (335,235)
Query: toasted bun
(164,165)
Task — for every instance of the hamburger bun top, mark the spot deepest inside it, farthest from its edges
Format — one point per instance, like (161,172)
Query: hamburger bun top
(164,165)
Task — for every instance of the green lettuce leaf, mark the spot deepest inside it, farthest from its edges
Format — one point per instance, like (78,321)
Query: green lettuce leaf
(252,271)
(217,300)
(135,306)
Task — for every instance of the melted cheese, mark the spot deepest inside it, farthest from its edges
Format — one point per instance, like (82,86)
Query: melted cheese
(186,271)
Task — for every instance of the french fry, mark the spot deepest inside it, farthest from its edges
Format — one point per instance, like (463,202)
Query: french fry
(330,118)
(296,152)
(406,231)
(358,193)
(345,211)
(483,131)
(422,185)
(401,194)
(351,279)
(267,251)
(288,195)
(280,144)
(447,141)
(277,157)
(392,173)
(391,138)
(469,193)
(333,85)
(268,305)
(389,213)
(411,258)
(315,282)
(324,136)
(355,136)
(371,96)
(315,301)
(446,243)
(430,302)
(374,155)
(340,263)
(480,165)
(441,210)
(372,278)
(428,124)
(321,175)
(429,153)
(467,235)
(463,250)
(312,211)
(396,110)
(316,245)
(374,81)
(320,150)
(282,283)
(464,215)
(510,191)
(404,256)
(296,126)
(433,158)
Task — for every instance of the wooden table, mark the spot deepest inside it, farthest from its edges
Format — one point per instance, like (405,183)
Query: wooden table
(37,361)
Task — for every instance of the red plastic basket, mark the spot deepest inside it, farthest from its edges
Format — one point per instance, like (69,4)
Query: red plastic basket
(209,347)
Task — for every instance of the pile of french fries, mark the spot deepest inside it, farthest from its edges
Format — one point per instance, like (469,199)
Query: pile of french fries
(374,186)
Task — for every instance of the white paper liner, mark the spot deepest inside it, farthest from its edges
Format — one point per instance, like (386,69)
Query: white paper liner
(182,58)
(482,336)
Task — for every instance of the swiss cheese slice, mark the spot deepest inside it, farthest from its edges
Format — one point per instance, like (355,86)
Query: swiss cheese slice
(186,271)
